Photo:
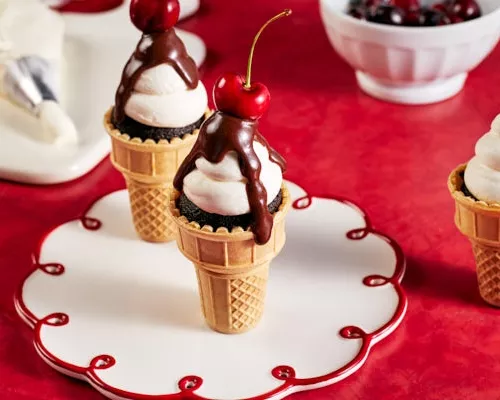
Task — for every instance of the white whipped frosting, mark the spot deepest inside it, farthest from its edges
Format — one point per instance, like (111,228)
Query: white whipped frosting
(482,175)
(221,188)
(162,99)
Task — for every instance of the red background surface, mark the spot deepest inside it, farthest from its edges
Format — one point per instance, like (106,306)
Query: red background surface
(392,160)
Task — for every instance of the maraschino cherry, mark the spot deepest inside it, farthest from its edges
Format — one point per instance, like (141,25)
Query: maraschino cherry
(433,17)
(376,3)
(465,9)
(441,7)
(407,5)
(413,13)
(238,96)
(389,15)
(154,16)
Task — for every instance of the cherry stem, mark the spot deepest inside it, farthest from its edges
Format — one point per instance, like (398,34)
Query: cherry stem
(282,14)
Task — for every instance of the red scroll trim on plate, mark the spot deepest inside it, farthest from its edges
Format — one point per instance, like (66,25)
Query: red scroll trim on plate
(189,384)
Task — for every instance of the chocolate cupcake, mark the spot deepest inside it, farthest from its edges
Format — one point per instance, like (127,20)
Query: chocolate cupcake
(230,175)
(159,107)
(475,189)
(464,189)
(229,203)
(137,130)
(194,213)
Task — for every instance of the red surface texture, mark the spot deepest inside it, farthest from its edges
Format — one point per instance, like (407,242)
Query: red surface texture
(391,160)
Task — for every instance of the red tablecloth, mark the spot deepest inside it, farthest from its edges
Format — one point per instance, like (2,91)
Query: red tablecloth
(392,160)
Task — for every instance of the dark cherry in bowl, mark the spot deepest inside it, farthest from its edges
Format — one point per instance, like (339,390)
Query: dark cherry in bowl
(412,13)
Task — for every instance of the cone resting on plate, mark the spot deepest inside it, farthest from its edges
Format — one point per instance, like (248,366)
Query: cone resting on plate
(229,203)
(159,107)
(475,188)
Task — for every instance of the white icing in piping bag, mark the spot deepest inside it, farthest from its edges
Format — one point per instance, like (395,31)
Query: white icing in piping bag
(57,126)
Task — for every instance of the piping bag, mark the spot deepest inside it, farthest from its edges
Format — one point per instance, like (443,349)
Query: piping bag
(28,82)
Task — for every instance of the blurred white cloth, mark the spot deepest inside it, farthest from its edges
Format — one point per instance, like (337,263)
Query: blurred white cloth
(55,3)
(32,28)
(5,45)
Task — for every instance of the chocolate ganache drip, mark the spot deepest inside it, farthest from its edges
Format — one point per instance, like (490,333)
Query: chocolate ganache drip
(219,135)
(153,50)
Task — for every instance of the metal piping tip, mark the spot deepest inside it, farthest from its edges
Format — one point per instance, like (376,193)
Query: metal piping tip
(28,81)
(20,88)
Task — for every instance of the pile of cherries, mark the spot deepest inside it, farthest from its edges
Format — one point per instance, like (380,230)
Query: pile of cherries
(412,13)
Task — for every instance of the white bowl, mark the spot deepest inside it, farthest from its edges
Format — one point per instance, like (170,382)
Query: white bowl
(411,65)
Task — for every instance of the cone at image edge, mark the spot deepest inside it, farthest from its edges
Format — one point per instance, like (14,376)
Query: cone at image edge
(480,222)
(232,270)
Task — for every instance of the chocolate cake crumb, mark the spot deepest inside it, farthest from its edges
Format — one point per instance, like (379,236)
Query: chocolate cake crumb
(193,213)
(137,130)
(464,189)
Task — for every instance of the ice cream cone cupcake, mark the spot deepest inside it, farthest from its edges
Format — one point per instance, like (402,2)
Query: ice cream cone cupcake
(475,187)
(232,269)
(159,107)
(229,203)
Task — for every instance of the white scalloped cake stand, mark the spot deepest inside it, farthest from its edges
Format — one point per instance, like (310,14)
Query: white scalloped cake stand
(124,315)
(97,47)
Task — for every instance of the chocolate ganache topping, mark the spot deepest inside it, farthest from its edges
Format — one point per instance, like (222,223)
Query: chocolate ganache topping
(219,135)
(154,49)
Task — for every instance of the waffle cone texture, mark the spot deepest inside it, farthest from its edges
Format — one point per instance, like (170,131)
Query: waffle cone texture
(149,169)
(232,270)
(480,222)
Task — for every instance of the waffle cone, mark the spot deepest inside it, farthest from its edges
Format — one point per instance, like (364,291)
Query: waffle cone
(232,269)
(148,204)
(480,222)
(149,169)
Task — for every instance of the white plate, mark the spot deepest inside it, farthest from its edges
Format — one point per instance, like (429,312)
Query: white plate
(124,314)
(96,49)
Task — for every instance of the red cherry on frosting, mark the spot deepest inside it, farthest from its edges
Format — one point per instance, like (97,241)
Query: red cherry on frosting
(233,97)
(238,96)
(154,16)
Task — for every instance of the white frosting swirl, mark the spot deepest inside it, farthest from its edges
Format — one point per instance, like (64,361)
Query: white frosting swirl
(482,175)
(221,188)
(162,99)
